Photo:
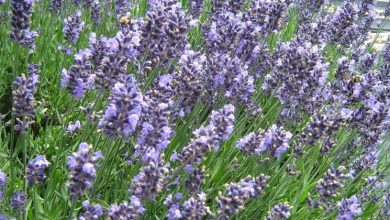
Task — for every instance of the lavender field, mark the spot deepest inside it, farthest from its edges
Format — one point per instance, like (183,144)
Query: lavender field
(193,109)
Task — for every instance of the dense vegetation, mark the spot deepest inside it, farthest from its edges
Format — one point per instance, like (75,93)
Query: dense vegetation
(214,109)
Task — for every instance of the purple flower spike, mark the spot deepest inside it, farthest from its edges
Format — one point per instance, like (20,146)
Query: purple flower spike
(72,27)
(23,98)
(18,201)
(331,182)
(21,13)
(193,208)
(237,194)
(208,138)
(126,210)
(275,141)
(36,170)
(279,212)
(83,165)
(91,212)
(56,5)
(150,180)
(121,116)
(3,182)
(80,77)
(349,209)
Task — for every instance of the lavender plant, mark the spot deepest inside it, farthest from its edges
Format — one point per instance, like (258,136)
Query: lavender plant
(23,108)
(83,166)
(214,109)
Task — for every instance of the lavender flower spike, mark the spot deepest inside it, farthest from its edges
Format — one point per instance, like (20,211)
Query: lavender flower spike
(237,194)
(251,143)
(208,138)
(276,141)
(3,182)
(349,209)
(121,116)
(56,5)
(193,208)
(18,201)
(36,170)
(21,13)
(23,98)
(72,27)
(80,77)
(150,180)
(90,212)
(331,183)
(126,210)
(279,212)
(83,165)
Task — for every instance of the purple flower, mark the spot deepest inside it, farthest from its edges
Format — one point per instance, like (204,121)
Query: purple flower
(80,77)
(83,165)
(71,128)
(122,7)
(366,6)
(18,201)
(298,78)
(72,27)
(229,75)
(237,194)
(343,22)
(189,79)
(90,212)
(349,209)
(23,98)
(126,210)
(150,180)
(95,12)
(193,208)
(36,170)
(3,179)
(279,212)
(113,56)
(196,7)
(28,40)
(195,179)
(369,160)
(323,125)
(98,48)
(251,143)
(56,5)
(268,16)
(3,182)
(208,138)
(21,13)
(121,116)
(275,140)
(156,128)
(331,182)
(312,6)
(386,204)
(164,33)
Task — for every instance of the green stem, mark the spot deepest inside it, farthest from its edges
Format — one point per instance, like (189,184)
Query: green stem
(72,209)
(36,212)
(25,144)
(12,140)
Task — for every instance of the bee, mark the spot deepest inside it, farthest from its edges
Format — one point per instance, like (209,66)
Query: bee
(124,20)
(351,84)
(357,79)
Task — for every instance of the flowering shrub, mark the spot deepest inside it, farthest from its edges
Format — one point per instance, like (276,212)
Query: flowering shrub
(193,109)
